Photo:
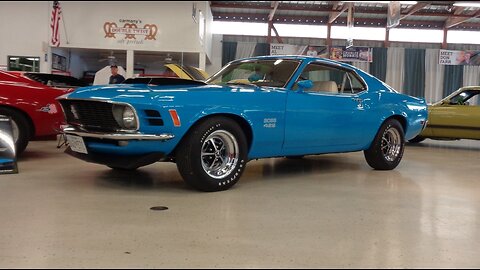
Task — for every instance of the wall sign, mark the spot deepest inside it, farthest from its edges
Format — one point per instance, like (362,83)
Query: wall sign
(8,159)
(287,49)
(468,58)
(59,62)
(130,31)
(352,54)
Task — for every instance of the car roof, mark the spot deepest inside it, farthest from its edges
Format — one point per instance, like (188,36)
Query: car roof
(298,57)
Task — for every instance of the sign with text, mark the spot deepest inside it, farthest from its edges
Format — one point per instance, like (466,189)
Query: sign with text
(287,49)
(8,160)
(130,31)
(352,54)
(448,57)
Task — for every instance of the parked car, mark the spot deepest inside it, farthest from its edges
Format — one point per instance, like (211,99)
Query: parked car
(29,99)
(454,117)
(186,72)
(260,107)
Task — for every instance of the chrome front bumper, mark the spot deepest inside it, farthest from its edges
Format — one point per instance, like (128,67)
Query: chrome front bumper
(118,136)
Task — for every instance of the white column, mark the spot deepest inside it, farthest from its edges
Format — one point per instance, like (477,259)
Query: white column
(46,66)
(130,64)
(202,60)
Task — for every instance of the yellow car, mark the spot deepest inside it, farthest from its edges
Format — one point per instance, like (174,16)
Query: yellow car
(454,117)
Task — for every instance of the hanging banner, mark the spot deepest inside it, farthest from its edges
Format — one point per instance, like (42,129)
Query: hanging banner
(352,54)
(448,57)
(8,160)
(393,18)
(287,49)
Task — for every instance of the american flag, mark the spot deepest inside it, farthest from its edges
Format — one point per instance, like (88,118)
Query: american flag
(54,24)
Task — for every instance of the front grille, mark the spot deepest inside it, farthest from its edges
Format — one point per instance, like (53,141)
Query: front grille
(90,115)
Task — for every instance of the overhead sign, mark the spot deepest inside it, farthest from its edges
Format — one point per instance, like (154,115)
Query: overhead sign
(8,160)
(131,32)
(352,54)
(393,18)
(287,49)
(448,57)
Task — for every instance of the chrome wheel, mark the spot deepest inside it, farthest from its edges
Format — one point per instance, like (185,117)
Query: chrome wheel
(391,144)
(15,131)
(219,154)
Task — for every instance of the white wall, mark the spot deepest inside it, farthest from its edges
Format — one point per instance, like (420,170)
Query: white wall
(85,21)
(23,30)
(216,56)
(24,27)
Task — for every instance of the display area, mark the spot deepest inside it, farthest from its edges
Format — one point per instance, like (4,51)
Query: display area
(240,134)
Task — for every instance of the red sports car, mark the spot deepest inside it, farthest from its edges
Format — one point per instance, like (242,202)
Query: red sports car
(29,100)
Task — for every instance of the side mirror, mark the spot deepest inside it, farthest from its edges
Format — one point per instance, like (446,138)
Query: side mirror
(304,85)
(446,102)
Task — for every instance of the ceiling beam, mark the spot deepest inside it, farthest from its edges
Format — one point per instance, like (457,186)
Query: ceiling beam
(358,10)
(458,10)
(323,20)
(335,14)
(414,9)
(272,12)
(452,21)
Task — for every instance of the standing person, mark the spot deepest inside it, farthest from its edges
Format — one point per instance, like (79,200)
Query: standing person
(115,78)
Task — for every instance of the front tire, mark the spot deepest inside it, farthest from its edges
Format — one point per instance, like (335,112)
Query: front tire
(22,131)
(387,148)
(213,155)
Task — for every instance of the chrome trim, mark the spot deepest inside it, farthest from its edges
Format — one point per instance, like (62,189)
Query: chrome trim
(119,136)
(106,101)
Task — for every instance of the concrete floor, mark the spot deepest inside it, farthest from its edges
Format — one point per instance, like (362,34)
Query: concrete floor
(322,211)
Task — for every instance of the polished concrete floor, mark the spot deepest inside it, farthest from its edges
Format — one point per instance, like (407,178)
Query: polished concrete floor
(322,211)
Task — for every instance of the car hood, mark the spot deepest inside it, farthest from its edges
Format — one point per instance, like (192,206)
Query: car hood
(130,92)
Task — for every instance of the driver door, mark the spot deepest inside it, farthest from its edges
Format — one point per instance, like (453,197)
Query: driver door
(459,118)
(328,116)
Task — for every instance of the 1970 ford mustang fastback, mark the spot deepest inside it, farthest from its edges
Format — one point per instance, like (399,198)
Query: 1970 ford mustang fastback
(259,107)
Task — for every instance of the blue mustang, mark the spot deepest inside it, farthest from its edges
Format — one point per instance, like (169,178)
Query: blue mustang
(259,107)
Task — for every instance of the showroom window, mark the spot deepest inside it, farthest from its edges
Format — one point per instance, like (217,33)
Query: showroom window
(24,63)
(332,80)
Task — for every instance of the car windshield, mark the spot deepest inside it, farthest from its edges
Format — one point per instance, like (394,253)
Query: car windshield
(273,73)
(463,97)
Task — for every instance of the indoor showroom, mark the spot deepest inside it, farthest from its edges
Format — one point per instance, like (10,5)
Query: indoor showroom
(240,134)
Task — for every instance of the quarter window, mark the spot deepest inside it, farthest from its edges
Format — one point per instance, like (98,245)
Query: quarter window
(327,79)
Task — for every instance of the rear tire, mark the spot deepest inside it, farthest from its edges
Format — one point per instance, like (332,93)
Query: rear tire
(387,148)
(22,131)
(213,155)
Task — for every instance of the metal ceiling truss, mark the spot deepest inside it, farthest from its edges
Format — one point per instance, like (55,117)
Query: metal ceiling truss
(455,17)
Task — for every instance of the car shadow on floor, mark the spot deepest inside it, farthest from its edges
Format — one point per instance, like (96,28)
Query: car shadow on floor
(32,155)
(287,167)
(140,179)
(468,145)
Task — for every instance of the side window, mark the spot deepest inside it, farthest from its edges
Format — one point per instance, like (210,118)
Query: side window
(331,80)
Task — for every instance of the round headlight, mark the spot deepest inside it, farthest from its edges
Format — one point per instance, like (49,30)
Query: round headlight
(128,117)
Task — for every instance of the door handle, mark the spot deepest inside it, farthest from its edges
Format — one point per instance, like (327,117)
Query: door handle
(359,102)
